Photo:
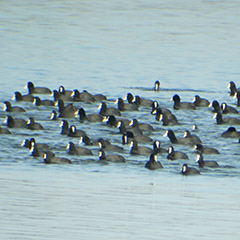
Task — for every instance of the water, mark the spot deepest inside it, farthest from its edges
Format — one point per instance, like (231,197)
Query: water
(116,47)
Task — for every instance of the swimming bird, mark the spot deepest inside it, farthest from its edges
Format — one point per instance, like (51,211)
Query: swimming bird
(122,129)
(74,132)
(186,170)
(237,95)
(232,87)
(202,163)
(216,106)
(9,108)
(153,163)
(112,158)
(231,133)
(94,117)
(195,127)
(54,115)
(157,110)
(50,158)
(108,146)
(125,121)
(172,120)
(85,96)
(35,151)
(31,124)
(76,96)
(24,98)
(135,128)
(15,122)
(67,94)
(41,146)
(205,150)
(171,135)
(154,106)
(112,121)
(126,106)
(156,85)
(142,126)
(175,155)
(65,127)
(157,147)
(135,149)
(27,143)
(182,105)
(165,116)
(227,120)
(128,136)
(228,109)
(121,126)
(106,111)
(195,138)
(130,98)
(58,96)
(200,102)
(67,111)
(125,139)
(144,102)
(76,150)
(39,102)
(87,141)
(37,90)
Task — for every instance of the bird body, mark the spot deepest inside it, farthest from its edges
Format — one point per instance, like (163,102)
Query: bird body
(32,125)
(74,132)
(206,150)
(231,133)
(107,146)
(202,163)
(24,98)
(50,158)
(39,102)
(9,108)
(182,105)
(135,149)
(153,163)
(228,109)
(175,155)
(90,117)
(184,141)
(15,122)
(76,150)
(126,106)
(186,170)
(227,120)
(200,102)
(111,158)
(193,137)
(37,90)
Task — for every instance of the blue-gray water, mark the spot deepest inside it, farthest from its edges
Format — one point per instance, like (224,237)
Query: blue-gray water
(116,47)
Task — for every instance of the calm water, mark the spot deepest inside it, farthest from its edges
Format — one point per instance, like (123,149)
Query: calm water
(116,47)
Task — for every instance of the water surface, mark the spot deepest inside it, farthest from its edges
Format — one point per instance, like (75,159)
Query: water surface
(116,47)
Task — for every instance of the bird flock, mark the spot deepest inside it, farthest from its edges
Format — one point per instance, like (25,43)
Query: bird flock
(68,107)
